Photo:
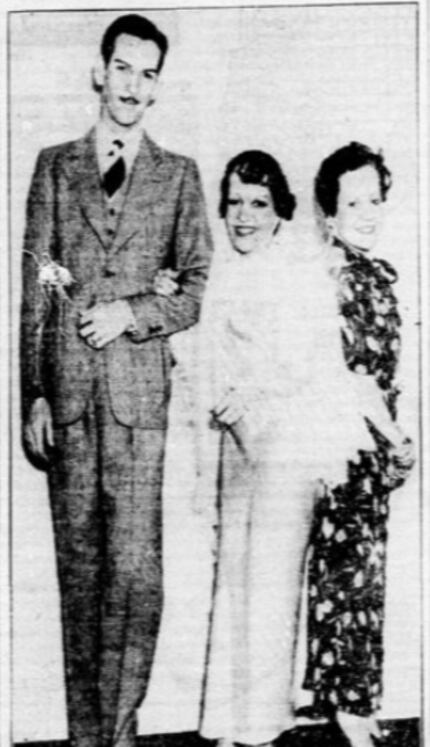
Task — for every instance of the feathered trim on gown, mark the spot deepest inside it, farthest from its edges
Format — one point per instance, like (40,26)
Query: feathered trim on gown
(270,329)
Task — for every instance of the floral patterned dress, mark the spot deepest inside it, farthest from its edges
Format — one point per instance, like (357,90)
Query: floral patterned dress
(348,554)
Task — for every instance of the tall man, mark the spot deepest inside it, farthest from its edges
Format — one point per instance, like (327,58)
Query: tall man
(105,213)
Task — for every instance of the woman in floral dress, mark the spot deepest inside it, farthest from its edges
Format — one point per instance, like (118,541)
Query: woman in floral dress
(348,556)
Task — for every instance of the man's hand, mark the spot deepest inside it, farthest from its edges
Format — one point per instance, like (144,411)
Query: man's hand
(165,283)
(105,322)
(38,432)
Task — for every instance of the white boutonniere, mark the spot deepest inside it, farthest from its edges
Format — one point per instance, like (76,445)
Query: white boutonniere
(53,277)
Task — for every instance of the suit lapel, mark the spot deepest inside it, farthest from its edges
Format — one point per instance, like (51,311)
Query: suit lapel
(143,189)
(91,194)
(82,169)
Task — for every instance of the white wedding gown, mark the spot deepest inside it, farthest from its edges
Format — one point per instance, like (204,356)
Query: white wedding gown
(274,336)
(172,703)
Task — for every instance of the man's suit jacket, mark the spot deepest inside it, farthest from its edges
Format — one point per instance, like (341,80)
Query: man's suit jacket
(163,224)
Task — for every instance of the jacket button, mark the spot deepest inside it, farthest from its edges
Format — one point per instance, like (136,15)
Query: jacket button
(108,272)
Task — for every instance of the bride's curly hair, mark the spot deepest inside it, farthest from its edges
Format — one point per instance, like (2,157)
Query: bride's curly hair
(258,167)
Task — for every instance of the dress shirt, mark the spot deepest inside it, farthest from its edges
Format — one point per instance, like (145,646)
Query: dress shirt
(107,154)
(108,151)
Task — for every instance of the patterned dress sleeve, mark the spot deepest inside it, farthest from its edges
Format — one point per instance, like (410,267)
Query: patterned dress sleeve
(371,322)
(370,326)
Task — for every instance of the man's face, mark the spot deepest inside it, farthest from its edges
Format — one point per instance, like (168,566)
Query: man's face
(129,80)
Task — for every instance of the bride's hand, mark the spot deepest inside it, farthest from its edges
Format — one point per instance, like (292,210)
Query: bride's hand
(230,408)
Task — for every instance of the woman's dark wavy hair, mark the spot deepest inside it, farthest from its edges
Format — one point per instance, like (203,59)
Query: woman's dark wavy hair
(257,167)
(349,158)
(134,25)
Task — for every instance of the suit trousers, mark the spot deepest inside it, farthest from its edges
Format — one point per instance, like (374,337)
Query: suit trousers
(105,492)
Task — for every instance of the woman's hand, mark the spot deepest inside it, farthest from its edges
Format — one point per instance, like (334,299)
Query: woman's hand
(229,414)
(165,283)
(393,433)
(404,455)
(376,411)
(230,409)
(400,461)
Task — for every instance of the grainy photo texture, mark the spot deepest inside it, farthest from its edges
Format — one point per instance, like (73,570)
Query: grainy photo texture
(215,262)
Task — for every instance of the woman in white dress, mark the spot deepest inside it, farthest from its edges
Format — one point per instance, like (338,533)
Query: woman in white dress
(278,414)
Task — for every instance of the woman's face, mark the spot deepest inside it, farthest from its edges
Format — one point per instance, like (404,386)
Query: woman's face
(359,216)
(250,217)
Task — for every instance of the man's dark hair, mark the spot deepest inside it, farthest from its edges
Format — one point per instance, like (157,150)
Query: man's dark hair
(134,25)
(257,167)
(349,158)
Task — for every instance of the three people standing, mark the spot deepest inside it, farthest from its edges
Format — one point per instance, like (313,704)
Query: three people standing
(105,214)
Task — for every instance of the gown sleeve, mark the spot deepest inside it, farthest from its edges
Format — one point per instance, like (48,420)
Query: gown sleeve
(300,389)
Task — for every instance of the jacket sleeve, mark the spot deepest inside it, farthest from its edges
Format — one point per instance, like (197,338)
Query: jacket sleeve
(35,302)
(191,252)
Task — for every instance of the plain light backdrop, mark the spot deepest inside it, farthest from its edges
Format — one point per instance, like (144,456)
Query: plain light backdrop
(297,82)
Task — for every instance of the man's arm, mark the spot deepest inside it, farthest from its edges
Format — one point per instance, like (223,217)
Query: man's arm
(34,308)
(38,433)
(159,315)
(35,302)
(145,315)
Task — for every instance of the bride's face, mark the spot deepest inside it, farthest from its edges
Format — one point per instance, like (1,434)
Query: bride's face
(250,218)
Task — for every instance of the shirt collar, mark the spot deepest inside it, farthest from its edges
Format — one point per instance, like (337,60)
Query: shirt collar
(104,141)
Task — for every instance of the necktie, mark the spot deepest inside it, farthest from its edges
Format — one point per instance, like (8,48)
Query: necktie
(115,175)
